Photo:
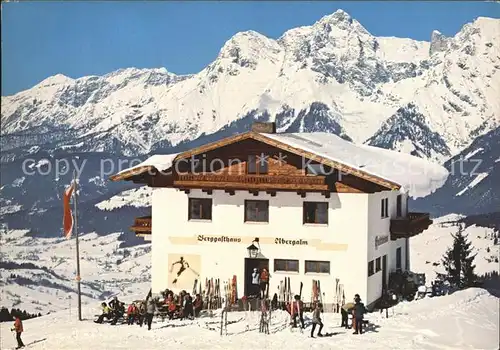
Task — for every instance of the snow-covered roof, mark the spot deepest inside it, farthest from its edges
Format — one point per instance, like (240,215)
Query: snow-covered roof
(390,169)
(159,162)
(417,176)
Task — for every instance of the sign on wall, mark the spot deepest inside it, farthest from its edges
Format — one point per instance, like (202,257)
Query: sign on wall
(379,240)
(183,269)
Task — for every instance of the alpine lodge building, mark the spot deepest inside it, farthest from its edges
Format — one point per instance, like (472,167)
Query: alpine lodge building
(305,206)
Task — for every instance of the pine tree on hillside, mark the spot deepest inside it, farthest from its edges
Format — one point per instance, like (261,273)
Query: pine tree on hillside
(458,261)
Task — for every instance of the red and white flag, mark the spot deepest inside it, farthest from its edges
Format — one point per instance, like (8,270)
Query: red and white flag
(68,216)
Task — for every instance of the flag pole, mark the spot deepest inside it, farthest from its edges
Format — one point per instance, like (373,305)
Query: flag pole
(75,227)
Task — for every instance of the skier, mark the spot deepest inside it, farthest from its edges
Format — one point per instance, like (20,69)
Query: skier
(358,311)
(150,311)
(316,320)
(18,327)
(184,265)
(297,311)
(264,282)
(256,282)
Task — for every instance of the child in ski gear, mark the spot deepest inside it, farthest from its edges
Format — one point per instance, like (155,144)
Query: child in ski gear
(106,312)
(357,313)
(264,282)
(316,320)
(18,327)
(150,311)
(131,314)
(256,282)
(297,311)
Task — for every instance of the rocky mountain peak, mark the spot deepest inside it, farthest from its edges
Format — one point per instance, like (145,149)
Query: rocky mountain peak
(439,42)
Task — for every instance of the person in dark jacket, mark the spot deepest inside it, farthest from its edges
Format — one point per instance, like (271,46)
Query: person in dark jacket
(150,311)
(316,320)
(345,316)
(358,312)
(298,308)
(198,305)
(114,304)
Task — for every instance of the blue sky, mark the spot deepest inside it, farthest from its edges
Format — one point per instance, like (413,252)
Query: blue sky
(41,39)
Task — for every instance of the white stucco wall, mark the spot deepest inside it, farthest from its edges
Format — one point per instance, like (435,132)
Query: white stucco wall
(378,226)
(348,224)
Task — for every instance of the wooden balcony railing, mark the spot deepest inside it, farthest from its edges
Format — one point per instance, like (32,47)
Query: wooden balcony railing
(142,225)
(410,225)
(223,181)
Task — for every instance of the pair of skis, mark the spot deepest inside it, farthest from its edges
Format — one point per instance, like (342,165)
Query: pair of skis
(339,295)
(316,293)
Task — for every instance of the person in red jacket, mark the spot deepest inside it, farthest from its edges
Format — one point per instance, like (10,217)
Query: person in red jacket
(131,314)
(264,282)
(18,327)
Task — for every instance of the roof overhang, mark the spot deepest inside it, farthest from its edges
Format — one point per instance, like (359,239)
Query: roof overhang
(128,174)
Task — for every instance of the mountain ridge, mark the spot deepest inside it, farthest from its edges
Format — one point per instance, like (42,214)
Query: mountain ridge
(359,80)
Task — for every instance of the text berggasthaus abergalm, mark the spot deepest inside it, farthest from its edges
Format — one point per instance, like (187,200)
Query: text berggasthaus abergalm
(290,241)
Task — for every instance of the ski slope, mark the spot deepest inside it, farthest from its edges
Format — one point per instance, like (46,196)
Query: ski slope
(464,320)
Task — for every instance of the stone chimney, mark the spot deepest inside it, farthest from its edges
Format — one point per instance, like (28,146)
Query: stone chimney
(266,128)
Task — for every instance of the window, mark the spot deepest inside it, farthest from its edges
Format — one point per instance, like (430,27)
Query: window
(317,266)
(399,206)
(286,265)
(315,213)
(384,208)
(257,164)
(378,267)
(398,258)
(370,268)
(200,209)
(256,211)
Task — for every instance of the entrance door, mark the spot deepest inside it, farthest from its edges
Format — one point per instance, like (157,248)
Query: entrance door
(251,264)
(384,273)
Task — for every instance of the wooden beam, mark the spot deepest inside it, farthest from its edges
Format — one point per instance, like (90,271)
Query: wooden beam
(249,186)
(231,192)
(207,191)
(326,194)
(302,194)
(271,193)
(186,190)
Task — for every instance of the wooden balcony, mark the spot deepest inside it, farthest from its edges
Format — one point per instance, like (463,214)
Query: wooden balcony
(410,225)
(142,226)
(252,182)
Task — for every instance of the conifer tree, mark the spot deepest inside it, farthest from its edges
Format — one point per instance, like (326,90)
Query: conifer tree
(458,261)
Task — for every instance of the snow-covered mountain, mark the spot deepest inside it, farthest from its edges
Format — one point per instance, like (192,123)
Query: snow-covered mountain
(473,184)
(427,98)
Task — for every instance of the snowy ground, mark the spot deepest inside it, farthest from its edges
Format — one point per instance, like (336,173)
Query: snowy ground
(463,320)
